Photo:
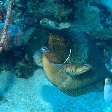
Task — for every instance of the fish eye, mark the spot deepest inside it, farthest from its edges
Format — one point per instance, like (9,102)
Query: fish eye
(44,48)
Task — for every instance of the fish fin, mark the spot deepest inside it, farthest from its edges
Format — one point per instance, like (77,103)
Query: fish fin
(77,70)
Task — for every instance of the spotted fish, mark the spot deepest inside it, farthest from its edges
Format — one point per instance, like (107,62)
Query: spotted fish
(73,64)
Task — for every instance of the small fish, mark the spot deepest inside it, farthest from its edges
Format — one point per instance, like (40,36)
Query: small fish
(108,90)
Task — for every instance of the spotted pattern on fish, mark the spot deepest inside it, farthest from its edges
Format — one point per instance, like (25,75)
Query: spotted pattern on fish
(58,50)
(79,75)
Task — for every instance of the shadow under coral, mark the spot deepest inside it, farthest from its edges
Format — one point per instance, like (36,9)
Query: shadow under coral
(14,60)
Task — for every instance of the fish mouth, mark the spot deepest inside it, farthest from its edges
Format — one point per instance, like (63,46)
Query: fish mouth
(44,49)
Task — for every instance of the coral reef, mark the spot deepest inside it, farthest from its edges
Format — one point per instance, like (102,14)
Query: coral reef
(4,41)
(94,17)
(90,16)
(87,16)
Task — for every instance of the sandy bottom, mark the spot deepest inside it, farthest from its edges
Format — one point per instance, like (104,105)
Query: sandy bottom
(37,94)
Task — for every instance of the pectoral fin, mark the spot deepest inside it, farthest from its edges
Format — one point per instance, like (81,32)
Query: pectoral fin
(77,70)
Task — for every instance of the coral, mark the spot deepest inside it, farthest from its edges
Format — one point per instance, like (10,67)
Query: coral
(35,42)
(57,12)
(14,36)
(4,41)
(104,34)
(27,35)
(88,17)
(94,17)
(47,23)
(25,69)
(2,13)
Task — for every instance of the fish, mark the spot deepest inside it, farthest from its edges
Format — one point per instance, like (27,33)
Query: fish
(73,63)
(69,85)
(108,90)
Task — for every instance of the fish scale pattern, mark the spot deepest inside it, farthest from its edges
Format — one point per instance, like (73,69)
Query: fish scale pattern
(83,51)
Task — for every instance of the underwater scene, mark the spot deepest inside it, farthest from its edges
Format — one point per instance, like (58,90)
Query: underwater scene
(55,55)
